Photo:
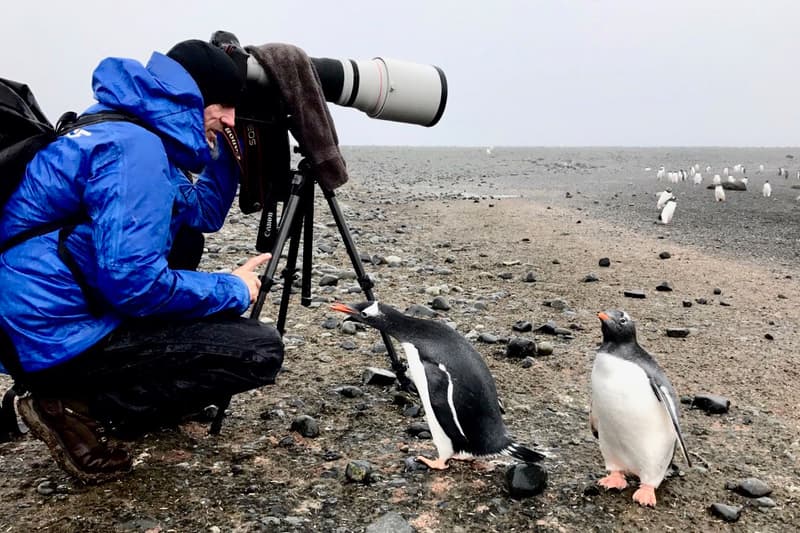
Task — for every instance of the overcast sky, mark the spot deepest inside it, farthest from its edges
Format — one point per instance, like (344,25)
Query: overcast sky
(521,73)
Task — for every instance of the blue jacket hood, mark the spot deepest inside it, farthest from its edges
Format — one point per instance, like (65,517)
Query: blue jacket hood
(164,96)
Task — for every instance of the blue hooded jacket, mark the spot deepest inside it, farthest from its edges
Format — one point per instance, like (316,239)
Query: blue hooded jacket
(127,181)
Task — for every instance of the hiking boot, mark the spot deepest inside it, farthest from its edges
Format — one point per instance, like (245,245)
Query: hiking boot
(73,441)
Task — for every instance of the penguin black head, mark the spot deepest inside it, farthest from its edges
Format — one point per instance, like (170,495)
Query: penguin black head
(617,326)
(373,314)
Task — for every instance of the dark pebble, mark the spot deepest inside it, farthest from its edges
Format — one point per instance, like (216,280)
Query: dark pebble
(604,262)
(664,286)
(521,347)
(527,362)
(418,427)
(634,294)
(717,290)
(590,277)
(306,426)
(769,337)
(677,333)
(729,513)
(701,301)
(525,480)
(424,435)
(529,277)
(410,464)
(505,275)
(664,255)
(523,326)
(349,391)
(348,345)
(724,303)
(441,303)
(711,403)
(687,303)
(330,323)
(412,411)
(750,487)
(328,280)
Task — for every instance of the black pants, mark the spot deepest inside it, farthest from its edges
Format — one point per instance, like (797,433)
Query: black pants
(151,372)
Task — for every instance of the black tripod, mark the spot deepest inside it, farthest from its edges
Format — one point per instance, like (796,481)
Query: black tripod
(298,218)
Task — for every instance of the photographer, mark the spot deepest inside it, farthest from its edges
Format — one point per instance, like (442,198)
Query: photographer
(105,321)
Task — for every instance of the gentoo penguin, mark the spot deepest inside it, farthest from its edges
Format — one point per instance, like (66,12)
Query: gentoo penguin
(698,178)
(634,410)
(766,190)
(731,179)
(744,180)
(716,180)
(719,193)
(663,196)
(669,210)
(455,386)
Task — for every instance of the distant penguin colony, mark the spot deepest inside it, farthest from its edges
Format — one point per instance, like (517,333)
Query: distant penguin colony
(454,384)
(634,411)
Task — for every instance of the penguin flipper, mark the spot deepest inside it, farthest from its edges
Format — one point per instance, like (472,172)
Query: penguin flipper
(662,393)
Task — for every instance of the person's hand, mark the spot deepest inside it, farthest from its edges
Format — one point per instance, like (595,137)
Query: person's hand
(247,274)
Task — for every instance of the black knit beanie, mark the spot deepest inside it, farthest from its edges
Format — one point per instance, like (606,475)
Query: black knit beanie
(219,79)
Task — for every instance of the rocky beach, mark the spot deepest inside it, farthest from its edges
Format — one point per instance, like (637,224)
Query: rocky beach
(518,251)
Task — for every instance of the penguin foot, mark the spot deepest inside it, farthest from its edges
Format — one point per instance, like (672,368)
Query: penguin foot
(645,495)
(614,480)
(438,464)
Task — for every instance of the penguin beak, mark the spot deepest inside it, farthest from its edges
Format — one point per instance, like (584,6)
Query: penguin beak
(342,308)
(602,316)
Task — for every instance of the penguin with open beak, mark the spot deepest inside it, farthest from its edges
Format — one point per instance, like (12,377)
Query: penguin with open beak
(456,388)
(634,411)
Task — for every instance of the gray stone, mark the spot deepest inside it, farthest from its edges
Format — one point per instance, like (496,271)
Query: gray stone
(664,255)
(711,403)
(348,327)
(523,326)
(764,501)
(525,480)
(604,262)
(328,280)
(544,348)
(306,426)
(529,277)
(590,277)
(391,522)
(377,376)
(750,487)
(664,286)
(358,471)
(488,338)
(330,323)
(441,303)
(678,333)
(634,294)
(729,513)
(349,391)
(520,347)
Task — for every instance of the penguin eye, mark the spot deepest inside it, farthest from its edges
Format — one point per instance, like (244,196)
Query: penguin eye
(364,314)
(623,320)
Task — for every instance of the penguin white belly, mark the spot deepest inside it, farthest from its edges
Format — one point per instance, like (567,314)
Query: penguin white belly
(444,446)
(634,429)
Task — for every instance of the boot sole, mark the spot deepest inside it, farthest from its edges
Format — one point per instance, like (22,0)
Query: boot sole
(34,421)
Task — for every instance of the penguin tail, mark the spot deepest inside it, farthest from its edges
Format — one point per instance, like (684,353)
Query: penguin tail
(517,451)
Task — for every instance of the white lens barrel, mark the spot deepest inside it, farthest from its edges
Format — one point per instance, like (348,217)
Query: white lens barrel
(400,91)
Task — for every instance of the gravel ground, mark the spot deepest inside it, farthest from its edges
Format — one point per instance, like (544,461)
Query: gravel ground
(472,228)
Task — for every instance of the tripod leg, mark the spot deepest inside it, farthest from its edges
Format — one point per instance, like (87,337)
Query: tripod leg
(308,245)
(289,270)
(366,284)
(287,219)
